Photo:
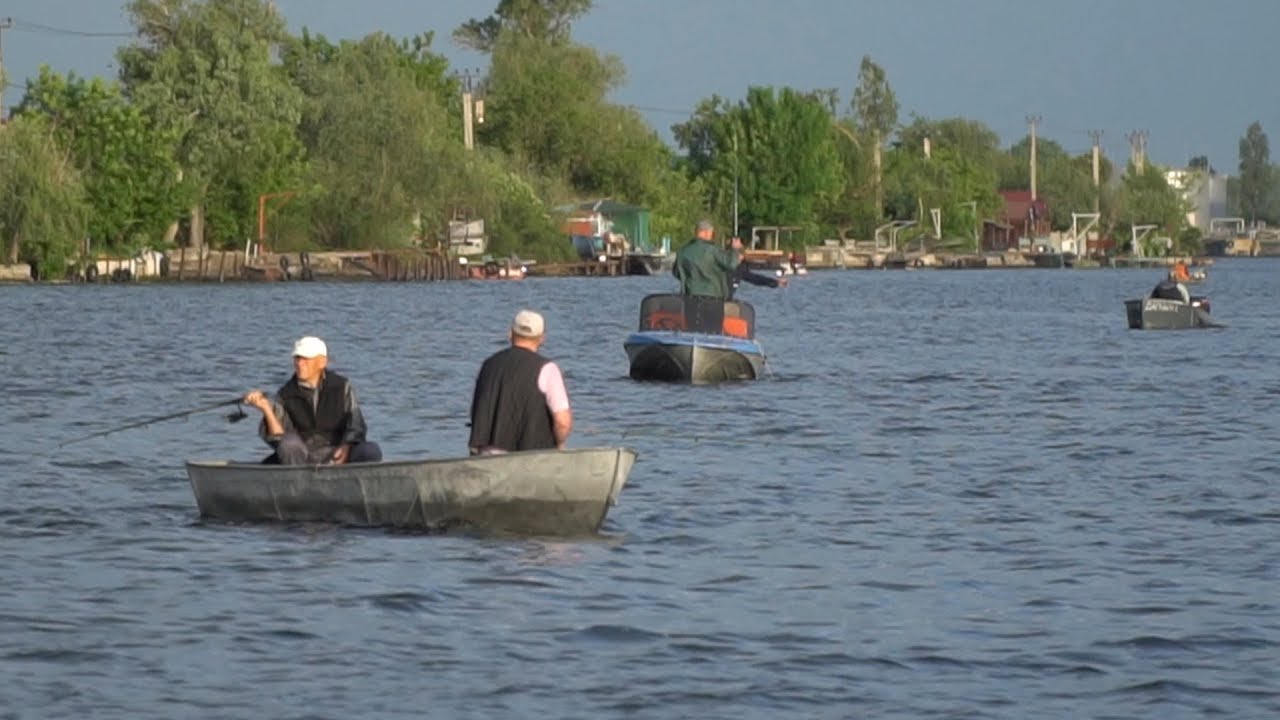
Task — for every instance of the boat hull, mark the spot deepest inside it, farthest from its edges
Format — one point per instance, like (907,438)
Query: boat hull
(542,492)
(692,357)
(649,263)
(1163,314)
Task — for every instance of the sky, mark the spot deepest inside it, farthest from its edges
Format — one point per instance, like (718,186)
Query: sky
(1191,74)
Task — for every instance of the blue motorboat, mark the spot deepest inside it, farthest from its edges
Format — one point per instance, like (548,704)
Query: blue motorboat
(693,339)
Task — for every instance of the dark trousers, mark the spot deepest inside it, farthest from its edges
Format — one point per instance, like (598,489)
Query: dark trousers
(292,450)
(704,314)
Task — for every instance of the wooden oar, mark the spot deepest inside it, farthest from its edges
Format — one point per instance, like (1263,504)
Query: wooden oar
(236,416)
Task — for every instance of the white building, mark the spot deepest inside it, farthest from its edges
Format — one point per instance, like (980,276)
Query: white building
(1204,191)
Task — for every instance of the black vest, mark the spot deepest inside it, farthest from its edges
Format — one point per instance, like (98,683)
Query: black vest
(508,411)
(328,421)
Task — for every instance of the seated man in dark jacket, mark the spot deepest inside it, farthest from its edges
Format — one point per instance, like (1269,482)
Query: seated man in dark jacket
(314,418)
(1169,290)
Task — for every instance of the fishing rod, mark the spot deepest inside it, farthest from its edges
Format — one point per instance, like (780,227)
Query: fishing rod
(234,416)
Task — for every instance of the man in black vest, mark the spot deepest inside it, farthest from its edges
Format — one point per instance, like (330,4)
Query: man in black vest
(520,401)
(314,418)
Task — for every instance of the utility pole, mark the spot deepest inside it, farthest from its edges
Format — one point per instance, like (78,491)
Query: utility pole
(973,208)
(1096,136)
(1033,121)
(5,24)
(470,106)
(735,183)
(1138,149)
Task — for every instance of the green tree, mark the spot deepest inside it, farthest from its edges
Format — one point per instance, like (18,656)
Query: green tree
(517,217)
(129,174)
(42,201)
(546,22)
(1063,182)
(876,109)
(203,70)
(544,105)
(852,210)
(1256,176)
(384,156)
(779,147)
(633,164)
(959,170)
(1146,198)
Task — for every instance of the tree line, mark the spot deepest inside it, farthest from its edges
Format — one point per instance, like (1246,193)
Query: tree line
(217,107)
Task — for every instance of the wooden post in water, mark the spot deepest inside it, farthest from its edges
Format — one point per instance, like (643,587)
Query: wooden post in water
(222,261)
(182,261)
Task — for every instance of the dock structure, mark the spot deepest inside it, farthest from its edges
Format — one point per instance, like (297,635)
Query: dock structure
(609,267)
(837,257)
(205,265)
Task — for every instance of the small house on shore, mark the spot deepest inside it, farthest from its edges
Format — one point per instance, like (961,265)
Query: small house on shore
(1021,221)
(606,227)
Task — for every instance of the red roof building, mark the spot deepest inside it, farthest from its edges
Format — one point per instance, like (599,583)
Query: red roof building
(1022,217)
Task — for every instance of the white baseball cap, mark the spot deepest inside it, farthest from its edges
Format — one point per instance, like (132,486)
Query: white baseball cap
(309,347)
(528,324)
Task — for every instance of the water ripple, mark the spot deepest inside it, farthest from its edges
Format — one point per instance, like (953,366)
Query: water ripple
(977,495)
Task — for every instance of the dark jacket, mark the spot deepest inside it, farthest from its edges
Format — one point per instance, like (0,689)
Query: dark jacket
(325,416)
(705,269)
(745,274)
(1169,290)
(508,411)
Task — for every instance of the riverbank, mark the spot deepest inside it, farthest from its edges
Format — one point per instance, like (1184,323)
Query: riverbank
(415,265)
(829,257)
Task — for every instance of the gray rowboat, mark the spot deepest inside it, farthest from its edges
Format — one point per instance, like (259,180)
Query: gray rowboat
(541,492)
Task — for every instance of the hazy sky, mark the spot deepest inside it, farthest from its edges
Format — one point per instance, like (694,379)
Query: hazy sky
(1192,73)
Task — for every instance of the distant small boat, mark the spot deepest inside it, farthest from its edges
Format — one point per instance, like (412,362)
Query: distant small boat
(1169,308)
(690,339)
(1053,259)
(646,263)
(490,268)
(539,492)
(1195,277)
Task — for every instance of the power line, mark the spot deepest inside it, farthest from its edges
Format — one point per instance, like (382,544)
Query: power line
(51,30)
(670,111)
(5,24)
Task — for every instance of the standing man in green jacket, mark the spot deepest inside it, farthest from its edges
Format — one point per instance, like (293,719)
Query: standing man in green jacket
(706,278)
(704,269)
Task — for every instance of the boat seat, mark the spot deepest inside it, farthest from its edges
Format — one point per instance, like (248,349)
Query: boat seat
(665,320)
(735,327)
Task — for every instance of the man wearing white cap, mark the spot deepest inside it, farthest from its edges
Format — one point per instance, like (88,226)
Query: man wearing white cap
(520,401)
(314,418)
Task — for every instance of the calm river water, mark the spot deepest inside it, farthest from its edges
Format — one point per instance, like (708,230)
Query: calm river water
(967,494)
